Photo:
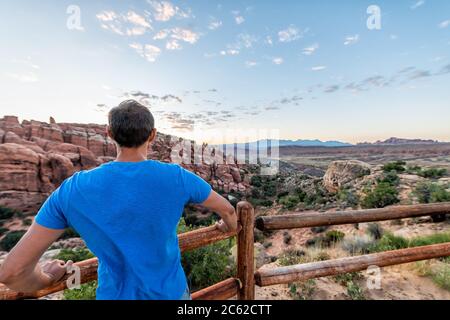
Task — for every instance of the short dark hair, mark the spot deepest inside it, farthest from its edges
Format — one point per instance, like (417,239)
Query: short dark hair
(130,124)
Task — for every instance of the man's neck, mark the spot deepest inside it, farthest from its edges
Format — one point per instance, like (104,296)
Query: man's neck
(131,154)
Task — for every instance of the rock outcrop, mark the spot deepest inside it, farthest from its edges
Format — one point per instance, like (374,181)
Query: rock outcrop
(35,157)
(340,173)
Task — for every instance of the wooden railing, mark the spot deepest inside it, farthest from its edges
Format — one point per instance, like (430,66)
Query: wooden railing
(288,274)
(243,285)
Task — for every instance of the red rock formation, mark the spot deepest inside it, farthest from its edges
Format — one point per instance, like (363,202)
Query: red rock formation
(35,157)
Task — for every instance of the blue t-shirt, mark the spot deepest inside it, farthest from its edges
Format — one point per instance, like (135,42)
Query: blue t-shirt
(128,213)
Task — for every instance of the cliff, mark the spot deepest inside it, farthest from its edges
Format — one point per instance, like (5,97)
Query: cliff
(35,157)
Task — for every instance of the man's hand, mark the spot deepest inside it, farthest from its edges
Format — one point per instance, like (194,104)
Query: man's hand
(222,226)
(54,270)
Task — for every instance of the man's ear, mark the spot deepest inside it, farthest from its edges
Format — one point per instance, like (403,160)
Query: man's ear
(152,135)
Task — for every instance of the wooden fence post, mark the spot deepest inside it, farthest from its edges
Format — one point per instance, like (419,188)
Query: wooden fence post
(245,251)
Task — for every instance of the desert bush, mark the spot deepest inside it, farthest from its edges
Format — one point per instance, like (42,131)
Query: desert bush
(375,231)
(267,245)
(389,242)
(381,196)
(78,254)
(86,292)
(302,290)
(326,240)
(27,222)
(3,231)
(398,166)
(10,239)
(207,265)
(289,202)
(433,173)
(348,197)
(390,178)
(287,238)
(429,240)
(6,213)
(429,192)
(319,229)
(292,257)
(358,244)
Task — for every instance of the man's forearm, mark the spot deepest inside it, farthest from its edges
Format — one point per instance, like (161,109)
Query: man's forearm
(28,281)
(230,219)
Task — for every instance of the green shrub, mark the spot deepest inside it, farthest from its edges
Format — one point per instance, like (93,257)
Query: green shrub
(390,178)
(75,255)
(433,173)
(348,197)
(389,242)
(11,239)
(86,292)
(398,166)
(429,240)
(3,231)
(302,290)
(6,213)
(289,202)
(292,257)
(27,222)
(428,192)
(381,196)
(375,231)
(326,240)
(207,265)
(358,244)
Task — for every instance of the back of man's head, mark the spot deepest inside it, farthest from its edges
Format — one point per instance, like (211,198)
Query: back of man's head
(130,124)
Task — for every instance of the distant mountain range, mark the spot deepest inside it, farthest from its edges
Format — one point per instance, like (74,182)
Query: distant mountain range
(320,143)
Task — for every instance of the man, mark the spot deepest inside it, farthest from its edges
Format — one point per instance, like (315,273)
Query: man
(127,211)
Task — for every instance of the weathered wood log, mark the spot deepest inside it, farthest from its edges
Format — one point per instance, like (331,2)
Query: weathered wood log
(202,237)
(307,220)
(245,251)
(220,291)
(187,241)
(320,269)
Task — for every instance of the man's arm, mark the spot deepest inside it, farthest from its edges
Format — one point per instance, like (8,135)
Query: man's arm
(224,209)
(20,270)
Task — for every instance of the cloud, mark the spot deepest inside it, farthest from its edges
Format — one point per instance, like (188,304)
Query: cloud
(151,100)
(417,4)
(214,25)
(277,60)
(318,68)
(129,24)
(173,44)
(28,77)
(251,64)
(147,51)
(165,11)
(444,24)
(229,52)
(350,40)
(308,51)
(331,89)
(290,34)
(444,70)
(177,33)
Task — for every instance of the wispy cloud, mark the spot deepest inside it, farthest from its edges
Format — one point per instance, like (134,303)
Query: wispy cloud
(350,40)
(147,51)
(308,51)
(290,34)
(318,68)
(238,18)
(444,24)
(251,64)
(278,60)
(129,24)
(165,11)
(418,4)
(214,24)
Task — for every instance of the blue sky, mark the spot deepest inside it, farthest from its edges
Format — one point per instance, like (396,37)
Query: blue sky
(310,69)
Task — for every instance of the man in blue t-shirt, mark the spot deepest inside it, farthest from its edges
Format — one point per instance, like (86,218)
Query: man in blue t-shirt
(127,211)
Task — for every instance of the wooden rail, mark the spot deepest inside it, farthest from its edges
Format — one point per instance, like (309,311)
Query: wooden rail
(187,241)
(308,220)
(320,269)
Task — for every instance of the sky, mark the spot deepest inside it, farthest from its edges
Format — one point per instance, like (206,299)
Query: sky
(347,70)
